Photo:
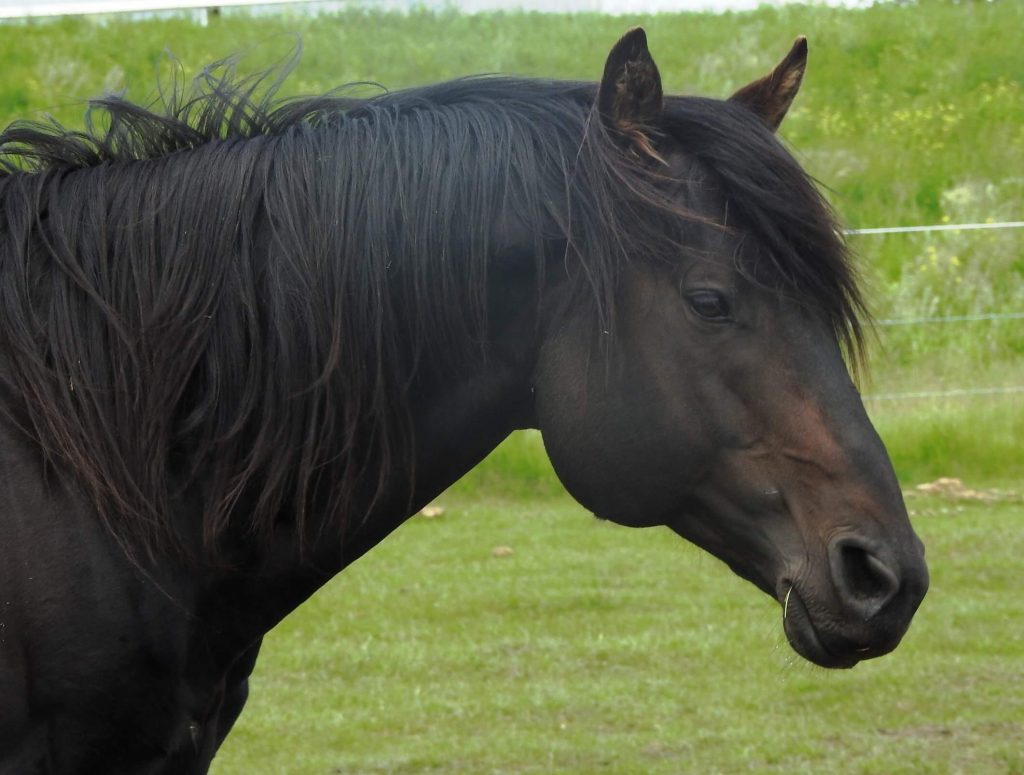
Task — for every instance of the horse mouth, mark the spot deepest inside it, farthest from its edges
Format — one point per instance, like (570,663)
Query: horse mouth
(803,636)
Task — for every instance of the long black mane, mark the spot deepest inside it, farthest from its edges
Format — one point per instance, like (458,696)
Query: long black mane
(234,292)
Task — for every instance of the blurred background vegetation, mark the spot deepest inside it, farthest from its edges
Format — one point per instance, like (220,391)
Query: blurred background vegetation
(911,113)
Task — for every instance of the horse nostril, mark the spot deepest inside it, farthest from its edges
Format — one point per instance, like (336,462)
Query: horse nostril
(864,582)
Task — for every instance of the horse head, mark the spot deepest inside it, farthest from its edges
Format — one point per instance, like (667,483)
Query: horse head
(717,401)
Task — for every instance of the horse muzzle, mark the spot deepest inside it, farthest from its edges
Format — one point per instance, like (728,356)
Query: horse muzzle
(858,606)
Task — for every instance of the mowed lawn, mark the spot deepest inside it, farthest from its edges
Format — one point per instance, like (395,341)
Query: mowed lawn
(594,648)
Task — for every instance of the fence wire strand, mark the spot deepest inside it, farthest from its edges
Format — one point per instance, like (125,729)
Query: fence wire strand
(952,393)
(981,316)
(937,227)
(1006,390)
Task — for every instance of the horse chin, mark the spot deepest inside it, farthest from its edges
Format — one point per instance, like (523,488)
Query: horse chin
(803,636)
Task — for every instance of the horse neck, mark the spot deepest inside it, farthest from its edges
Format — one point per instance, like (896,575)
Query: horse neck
(458,417)
(463,410)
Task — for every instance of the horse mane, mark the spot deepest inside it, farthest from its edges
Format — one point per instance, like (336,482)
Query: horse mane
(191,308)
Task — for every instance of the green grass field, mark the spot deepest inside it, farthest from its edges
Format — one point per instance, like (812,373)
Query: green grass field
(597,649)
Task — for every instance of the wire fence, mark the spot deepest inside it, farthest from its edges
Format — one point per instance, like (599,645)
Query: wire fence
(951,319)
(958,392)
(939,227)
(952,393)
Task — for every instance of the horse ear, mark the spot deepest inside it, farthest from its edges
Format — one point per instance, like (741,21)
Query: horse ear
(630,93)
(771,96)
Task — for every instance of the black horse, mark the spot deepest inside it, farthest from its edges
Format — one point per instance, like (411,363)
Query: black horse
(242,339)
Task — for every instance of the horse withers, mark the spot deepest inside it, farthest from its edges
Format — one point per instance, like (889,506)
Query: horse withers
(242,339)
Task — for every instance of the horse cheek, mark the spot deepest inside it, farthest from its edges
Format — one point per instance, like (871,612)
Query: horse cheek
(610,450)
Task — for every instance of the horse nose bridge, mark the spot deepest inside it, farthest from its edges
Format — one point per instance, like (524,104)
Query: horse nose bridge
(843,483)
(836,442)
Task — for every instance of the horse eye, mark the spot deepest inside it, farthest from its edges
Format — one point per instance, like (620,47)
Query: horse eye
(710,305)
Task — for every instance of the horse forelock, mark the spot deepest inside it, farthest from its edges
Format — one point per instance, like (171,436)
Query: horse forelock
(773,200)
